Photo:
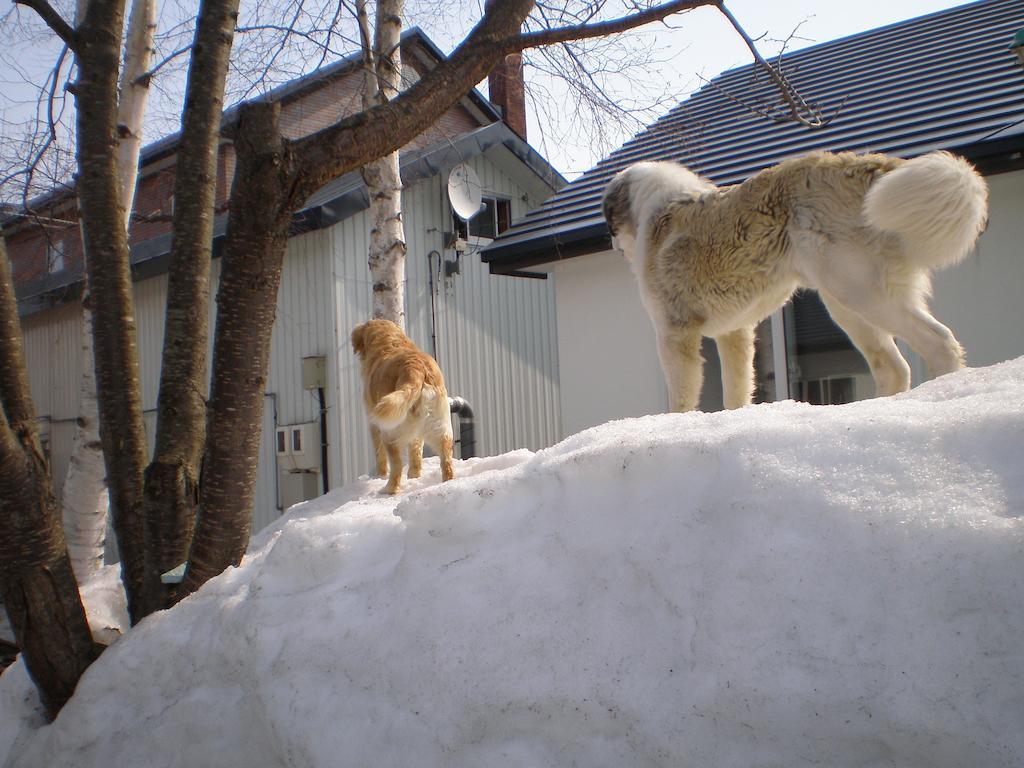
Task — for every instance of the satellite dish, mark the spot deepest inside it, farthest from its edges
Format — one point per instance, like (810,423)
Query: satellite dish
(464,191)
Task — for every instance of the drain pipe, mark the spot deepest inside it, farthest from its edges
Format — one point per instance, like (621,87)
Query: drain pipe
(467,437)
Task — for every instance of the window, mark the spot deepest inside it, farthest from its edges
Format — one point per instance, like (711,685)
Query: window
(827,391)
(54,255)
(494,217)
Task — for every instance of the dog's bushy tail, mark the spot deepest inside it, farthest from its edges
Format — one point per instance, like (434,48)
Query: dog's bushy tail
(391,410)
(937,202)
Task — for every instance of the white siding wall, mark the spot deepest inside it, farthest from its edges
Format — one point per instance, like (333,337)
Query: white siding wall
(608,358)
(495,336)
(980,298)
(495,341)
(601,320)
(53,354)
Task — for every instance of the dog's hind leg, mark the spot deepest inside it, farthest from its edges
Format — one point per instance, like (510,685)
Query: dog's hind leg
(443,445)
(683,365)
(888,368)
(380,456)
(415,459)
(447,447)
(736,352)
(906,316)
(928,337)
(395,474)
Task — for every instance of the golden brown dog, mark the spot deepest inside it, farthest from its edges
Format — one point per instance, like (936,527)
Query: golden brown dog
(406,401)
(864,230)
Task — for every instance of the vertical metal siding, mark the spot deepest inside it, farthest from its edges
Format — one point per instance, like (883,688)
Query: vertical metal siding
(349,241)
(53,356)
(304,327)
(495,341)
(495,335)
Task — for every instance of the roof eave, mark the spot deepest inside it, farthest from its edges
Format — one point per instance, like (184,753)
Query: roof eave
(1004,149)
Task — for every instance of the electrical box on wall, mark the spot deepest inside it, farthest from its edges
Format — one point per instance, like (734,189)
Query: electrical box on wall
(298,462)
(298,447)
(314,372)
(298,486)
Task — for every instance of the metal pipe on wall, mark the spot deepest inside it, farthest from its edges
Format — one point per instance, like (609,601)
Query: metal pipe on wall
(467,427)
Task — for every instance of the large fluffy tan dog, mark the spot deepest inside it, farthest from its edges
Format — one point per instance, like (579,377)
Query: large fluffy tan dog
(864,230)
(406,401)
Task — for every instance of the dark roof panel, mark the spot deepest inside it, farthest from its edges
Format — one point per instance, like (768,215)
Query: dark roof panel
(942,81)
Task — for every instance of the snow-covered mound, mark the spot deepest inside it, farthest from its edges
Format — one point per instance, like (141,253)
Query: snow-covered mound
(781,586)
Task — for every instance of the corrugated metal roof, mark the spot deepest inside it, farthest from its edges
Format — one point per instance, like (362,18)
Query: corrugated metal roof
(942,81)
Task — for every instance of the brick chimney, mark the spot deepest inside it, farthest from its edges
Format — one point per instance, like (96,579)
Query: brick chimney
(508,93)
(506,88)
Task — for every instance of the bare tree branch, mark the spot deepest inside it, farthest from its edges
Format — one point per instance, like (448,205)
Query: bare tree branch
(799,110)
(165,61)
(53,20)
(602,29)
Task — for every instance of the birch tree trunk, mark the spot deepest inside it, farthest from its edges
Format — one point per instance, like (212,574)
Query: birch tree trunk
(84,498)
(37,583)
(383,177)
(133,95)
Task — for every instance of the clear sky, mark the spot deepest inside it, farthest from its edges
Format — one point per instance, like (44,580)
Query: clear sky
(702,44)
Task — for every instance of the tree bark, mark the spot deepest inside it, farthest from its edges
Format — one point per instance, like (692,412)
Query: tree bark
(172,478)
(109,280)
(133,95)
(383,179)
(84,500)
(263,196)
(37,583)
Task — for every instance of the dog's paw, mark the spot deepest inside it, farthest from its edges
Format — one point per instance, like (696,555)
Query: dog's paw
(391,490)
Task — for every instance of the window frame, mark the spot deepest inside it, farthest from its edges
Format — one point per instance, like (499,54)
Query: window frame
(501,205)
(55,253)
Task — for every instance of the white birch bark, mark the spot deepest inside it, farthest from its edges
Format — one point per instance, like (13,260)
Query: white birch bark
(84,498)
(383,179)
(134,94)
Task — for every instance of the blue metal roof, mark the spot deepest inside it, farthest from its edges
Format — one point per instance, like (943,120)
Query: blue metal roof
(942,81)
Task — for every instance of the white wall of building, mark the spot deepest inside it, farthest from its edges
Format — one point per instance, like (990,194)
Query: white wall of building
(495,341)
(608,359)
(980,298)
(52,343)
(493,336)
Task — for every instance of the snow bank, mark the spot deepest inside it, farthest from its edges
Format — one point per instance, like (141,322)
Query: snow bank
(785,585)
